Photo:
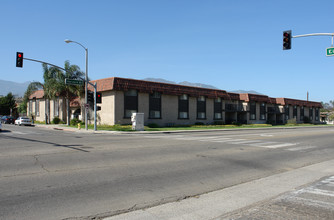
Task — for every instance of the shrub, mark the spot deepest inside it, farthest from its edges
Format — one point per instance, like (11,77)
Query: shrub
(306,119)
(199,123)
(292,121)
(75,122)
(56,120)
(153,125)
(218,123)
(236,123)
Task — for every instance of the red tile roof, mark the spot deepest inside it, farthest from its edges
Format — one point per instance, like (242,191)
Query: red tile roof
(38,94)
(123,84)
(287,101)
(116,83)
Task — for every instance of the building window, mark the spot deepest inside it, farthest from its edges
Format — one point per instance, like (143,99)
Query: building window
(263,111)
(311,114)
(184,107)
(56,107)
(302,113)
(252,111)
(218,109)
(317,114)
(30,107)
(37,108)
(130,103)
(155,105)
(201,107)
(294,111)
(287,112)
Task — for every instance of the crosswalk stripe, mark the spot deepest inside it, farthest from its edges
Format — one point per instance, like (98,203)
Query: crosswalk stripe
(247,142)
(301,148)
(228,141)
(232,140)
(277,145)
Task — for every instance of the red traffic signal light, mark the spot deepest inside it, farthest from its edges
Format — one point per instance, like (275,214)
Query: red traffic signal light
(98,97)
(287,40)
(19,59)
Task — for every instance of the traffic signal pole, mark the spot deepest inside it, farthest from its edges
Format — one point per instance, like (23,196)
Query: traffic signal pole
(94,85)
(316,34)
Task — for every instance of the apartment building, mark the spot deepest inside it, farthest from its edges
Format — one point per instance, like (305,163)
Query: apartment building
(169,104)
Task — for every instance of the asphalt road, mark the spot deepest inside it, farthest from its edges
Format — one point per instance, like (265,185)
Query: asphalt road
(54,174)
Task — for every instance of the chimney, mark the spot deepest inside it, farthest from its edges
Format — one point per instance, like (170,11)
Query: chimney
(307,95)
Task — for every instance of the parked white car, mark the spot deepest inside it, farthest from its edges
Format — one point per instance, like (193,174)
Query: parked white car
(23,121)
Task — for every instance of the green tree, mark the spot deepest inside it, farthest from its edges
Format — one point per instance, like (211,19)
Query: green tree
(7,104)
(54,86)
(70,92)
(47,87)
(30,89)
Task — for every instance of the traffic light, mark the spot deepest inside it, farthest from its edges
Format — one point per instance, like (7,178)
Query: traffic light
(98,108)
(19,59)
(90,98)
(98,97)
(287,40)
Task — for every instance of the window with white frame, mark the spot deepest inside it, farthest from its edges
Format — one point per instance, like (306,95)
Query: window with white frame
(218,109)
(295,111)
(287,112)
(130,103)
(155,105)
(56,107)
(311,114)
(183,106)
(37,108)
(263,111)
(201,107)
(252,111)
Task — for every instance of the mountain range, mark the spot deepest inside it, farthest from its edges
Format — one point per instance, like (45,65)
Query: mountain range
(18,89)
(201,85)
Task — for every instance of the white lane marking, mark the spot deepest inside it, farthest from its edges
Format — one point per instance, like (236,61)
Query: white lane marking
(266,135)
(230,140)
(248,142)
(275,145)
(301,148)
(319,192)
(312,202)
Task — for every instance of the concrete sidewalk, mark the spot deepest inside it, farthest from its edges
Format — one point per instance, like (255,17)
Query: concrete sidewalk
(82,130)
(215,204)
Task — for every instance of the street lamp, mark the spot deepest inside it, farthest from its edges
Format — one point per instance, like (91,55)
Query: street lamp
(86,79)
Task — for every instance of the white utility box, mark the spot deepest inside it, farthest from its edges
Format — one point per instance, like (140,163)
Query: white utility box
(137,120)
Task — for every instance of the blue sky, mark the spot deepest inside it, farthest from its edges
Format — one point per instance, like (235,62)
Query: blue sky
(228,44)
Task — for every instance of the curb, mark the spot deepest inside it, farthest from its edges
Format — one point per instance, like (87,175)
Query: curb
(213,205)
(62,128)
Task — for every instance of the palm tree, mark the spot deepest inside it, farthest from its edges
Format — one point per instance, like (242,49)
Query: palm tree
(68,91)
(47,86)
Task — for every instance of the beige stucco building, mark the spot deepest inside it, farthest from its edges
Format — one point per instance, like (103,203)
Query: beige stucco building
(168,105)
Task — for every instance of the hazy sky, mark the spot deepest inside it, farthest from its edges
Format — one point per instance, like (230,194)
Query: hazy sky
(229,44)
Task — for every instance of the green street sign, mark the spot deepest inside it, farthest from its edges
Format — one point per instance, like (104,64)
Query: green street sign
(75,82)
(330,51)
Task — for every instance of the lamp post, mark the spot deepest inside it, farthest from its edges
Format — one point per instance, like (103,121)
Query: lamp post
(86,79)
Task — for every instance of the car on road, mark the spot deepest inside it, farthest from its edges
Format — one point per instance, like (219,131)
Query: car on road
(23,121)
(7,119)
